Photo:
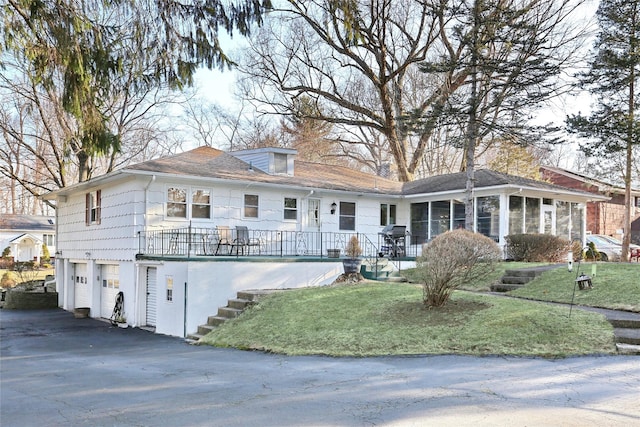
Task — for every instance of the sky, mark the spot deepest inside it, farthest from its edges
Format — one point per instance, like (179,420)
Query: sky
(218,86)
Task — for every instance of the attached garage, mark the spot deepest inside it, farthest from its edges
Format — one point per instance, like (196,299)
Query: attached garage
(109,289)
(82,292)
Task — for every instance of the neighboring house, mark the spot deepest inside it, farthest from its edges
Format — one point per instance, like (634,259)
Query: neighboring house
(603,216)
(168,232)
(24,235)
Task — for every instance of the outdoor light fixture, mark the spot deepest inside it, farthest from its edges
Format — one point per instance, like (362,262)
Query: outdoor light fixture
(584,282)
(333,208)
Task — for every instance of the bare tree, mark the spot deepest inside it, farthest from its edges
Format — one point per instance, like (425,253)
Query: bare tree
(355,73)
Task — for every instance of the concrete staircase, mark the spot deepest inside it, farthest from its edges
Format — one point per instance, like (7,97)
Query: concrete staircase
(626,328)
(517,278)
(380,269)
(234,308)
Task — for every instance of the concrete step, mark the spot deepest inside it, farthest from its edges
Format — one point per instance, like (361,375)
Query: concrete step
(628,349)
(626,323)
(205,329)
(228,312)
(627,336)
(240,303)
(523,273)
(505,287)
(516,280)
(216,320)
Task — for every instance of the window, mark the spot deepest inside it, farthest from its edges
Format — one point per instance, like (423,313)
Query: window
(577,215)
(347,216)
(48,239)
(532,215)
(169,288)
(201,204)
(440,217)
(387,214)
(516,214)
(563,218)
(419,223)
(459,216)
(177,202)
(92,207)
(290,208)
(280,163)
(250,206)
(488,216)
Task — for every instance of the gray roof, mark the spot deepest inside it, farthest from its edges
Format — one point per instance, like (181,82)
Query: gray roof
(27,222)
(483,178)
(207,162)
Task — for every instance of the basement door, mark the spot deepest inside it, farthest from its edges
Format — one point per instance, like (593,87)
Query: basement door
(152,273)
(82,295)
(109,289)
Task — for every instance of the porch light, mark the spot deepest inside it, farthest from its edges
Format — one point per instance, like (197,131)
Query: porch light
(584,282)
(333,208)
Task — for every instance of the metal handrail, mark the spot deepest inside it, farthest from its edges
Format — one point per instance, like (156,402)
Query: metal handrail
(200,241)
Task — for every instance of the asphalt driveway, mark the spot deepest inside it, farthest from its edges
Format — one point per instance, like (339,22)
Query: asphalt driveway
(60,371)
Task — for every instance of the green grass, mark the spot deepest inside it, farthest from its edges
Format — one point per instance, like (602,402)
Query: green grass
(480,284)
(372,319)
(615,286)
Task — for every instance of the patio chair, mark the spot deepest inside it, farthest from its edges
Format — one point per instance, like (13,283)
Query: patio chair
(244,241)
(224,239)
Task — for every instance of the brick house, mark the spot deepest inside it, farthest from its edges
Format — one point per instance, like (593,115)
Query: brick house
(603,217)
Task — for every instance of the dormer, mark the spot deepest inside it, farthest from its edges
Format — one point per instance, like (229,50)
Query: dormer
(271,160)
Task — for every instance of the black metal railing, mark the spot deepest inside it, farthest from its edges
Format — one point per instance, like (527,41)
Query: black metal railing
(196,241)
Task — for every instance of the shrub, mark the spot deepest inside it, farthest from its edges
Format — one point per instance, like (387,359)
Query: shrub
(452,259)
(537,247)
(353,249)
(6,252)
(8,280)
(46,256)
(6,263)
(591,253)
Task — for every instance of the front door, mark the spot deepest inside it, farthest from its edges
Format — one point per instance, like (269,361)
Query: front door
(82,294)
(312,222)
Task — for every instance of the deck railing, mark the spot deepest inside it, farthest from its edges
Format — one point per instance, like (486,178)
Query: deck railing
(197,242)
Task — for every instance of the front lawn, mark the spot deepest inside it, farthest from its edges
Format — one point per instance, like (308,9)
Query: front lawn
(372,319)
(615,286)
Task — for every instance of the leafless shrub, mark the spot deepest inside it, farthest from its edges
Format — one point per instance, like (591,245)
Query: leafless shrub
(452,259)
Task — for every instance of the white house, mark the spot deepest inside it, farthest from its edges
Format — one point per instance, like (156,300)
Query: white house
(169,233)
(24,235)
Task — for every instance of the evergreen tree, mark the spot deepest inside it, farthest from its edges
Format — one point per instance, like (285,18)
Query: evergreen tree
(612,127)
(85,46)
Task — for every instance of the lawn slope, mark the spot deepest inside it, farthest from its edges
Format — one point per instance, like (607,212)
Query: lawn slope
(372,319)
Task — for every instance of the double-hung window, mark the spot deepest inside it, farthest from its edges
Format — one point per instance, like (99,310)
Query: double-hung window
(92,211)
(387,214)
(189,203)
(347,216)
(251,205)
(200,203)
(290,208)
(177,202)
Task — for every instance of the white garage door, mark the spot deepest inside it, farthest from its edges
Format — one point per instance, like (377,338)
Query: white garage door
(152,293)
(109,289)
(82,296)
